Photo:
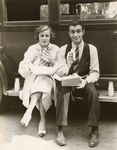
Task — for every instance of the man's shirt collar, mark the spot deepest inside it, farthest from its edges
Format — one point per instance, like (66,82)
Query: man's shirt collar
(79,46)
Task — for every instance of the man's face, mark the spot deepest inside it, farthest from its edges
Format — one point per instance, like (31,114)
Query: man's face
(76,34)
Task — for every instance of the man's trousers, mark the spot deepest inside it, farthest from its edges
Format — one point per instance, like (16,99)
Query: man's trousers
(90,97)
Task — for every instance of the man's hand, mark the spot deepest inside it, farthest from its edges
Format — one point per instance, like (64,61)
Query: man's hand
(70,59)
(47,56)
(82,85)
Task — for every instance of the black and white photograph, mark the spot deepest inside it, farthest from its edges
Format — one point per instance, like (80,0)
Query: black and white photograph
(58,74)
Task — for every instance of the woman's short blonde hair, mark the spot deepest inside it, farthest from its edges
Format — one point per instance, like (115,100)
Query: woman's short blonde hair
(42,28)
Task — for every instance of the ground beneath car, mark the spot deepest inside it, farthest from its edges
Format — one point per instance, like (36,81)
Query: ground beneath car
(15,137)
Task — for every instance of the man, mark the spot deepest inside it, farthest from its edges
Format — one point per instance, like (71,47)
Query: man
(84,63)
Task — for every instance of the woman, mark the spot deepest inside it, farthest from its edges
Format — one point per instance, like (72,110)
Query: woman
(37,67)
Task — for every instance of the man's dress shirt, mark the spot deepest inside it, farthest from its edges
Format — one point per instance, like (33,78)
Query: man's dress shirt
(93,75)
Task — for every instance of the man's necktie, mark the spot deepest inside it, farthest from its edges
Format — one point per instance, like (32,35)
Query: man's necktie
(74,66)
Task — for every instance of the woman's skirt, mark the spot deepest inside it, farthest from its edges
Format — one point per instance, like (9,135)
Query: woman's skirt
(44,85)
(34,84)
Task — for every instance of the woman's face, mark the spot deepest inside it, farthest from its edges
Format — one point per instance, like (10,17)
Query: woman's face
(44,38)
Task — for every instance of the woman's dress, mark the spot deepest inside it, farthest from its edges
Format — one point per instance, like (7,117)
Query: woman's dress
(38,83)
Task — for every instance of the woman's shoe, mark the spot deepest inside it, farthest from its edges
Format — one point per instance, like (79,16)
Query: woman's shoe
(41,132)
(25,120)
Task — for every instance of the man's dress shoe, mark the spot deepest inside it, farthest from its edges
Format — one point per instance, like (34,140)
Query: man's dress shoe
(94,139)
(60,139)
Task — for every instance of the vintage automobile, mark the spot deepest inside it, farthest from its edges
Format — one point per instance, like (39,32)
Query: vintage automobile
(18,18)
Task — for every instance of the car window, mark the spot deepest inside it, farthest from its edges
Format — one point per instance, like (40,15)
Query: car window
(26,10)
(107,10)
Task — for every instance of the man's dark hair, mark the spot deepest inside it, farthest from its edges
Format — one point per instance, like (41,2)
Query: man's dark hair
(75,23)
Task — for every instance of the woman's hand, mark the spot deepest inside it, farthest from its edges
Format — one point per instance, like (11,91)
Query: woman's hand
(47,56)
(33,59)
(43,63)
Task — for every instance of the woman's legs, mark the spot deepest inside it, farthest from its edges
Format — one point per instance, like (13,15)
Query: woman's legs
(42,123)
(42,115)
(36,98)
(28,114)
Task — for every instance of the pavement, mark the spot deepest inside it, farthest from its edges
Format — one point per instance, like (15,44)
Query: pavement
(15,137)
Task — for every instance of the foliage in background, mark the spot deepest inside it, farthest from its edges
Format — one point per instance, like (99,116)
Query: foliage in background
(88,11)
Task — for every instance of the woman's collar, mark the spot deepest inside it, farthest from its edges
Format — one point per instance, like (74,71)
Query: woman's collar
(49,45)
